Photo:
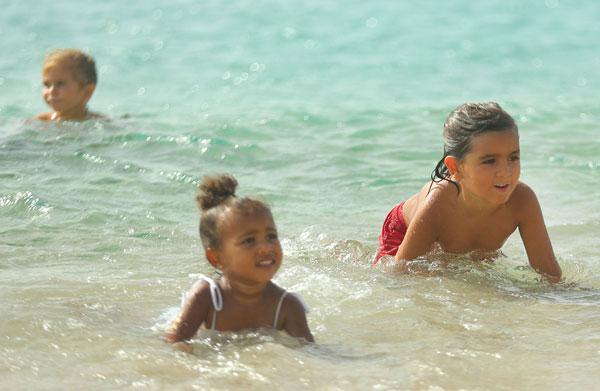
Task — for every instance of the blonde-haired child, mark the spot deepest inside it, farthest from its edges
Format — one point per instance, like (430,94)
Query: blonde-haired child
(240,240)
(69,80)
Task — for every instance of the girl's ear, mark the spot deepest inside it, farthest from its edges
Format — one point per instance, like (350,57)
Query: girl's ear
(213,258)
(89,90)
(452,163)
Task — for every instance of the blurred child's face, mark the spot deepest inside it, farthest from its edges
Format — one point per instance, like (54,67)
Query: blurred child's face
(490,171)
(62,91)
(250,251)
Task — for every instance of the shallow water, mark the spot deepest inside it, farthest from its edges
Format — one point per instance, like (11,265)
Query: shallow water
(332,114)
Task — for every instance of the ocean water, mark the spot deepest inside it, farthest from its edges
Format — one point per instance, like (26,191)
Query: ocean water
(332,112)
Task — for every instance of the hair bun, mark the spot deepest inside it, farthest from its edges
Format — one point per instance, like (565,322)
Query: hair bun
(215,189)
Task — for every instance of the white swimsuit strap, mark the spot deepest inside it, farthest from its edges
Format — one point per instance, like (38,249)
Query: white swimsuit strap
(215,293)
(216,297)
(278,309)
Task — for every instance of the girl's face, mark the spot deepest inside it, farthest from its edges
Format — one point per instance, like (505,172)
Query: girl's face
(490,171)
(250,251)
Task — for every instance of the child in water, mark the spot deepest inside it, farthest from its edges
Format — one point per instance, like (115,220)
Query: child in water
(475,200)
(240,240)
(69,80)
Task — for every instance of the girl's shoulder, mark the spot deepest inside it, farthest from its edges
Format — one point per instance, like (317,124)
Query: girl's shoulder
(291,316)
(430,202)
(522,198)
(295,303)
(290,301)
(436,191)
(203,290)
(435,197)
(522,194)
(522,189)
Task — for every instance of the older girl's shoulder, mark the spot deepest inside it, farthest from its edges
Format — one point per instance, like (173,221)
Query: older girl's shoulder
(523,197)
(433,202)
(522,190)
(435,193)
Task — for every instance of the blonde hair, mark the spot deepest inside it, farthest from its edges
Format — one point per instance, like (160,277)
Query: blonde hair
(81,64)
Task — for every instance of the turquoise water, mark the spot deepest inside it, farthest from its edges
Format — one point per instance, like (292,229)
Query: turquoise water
(332,112)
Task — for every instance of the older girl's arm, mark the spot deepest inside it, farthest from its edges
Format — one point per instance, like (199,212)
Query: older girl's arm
(421,233)
(535,236)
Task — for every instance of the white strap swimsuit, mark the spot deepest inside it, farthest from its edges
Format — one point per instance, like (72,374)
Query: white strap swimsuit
(217,301)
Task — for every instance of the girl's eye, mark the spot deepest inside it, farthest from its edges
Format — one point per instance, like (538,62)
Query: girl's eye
(515,158)
(489,161)
(272,237)
(248,241)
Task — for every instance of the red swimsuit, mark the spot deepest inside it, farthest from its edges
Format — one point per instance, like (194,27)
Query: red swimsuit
(392,233)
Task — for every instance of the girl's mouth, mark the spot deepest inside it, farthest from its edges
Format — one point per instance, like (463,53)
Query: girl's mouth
(266,263)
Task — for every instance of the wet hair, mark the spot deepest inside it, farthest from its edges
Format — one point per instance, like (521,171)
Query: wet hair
(216,199)
(462,125)
(81,64)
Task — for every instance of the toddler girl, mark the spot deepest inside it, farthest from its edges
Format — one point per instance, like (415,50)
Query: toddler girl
(240,240)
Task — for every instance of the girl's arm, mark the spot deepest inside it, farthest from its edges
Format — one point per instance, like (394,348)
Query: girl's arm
(421,233)
(193,312)
(535,236)
(294,321)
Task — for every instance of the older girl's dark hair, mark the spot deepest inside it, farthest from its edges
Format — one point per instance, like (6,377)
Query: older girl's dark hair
(462,125)
(216,197)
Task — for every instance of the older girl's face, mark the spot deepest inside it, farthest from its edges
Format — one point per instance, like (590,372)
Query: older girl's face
(489,173)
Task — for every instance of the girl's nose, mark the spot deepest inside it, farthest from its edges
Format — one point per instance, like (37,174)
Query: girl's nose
(506,169)
(265,247)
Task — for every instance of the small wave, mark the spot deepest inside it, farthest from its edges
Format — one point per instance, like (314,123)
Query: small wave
(218,341)
(577,164)
(319,247)
(24,203)
(180,177)
(118,164)
(182,139)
